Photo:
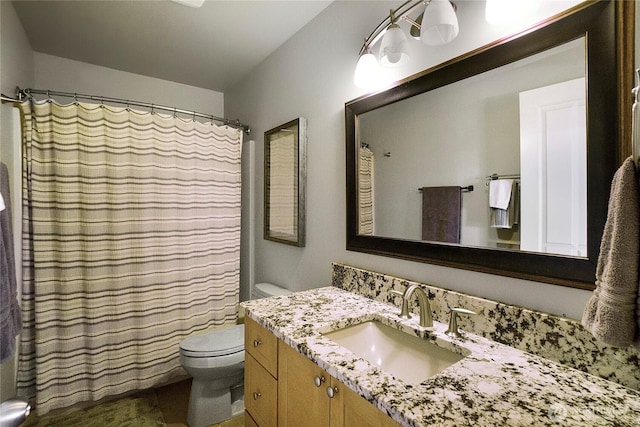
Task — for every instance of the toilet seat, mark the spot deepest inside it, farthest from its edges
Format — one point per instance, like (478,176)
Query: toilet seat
(219,342)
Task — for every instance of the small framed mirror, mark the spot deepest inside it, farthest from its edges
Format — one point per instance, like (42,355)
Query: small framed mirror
(285,160)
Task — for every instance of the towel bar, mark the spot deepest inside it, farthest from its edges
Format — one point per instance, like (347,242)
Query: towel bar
(466,189)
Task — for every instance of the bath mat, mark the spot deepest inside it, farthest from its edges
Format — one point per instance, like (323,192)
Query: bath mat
(135,411)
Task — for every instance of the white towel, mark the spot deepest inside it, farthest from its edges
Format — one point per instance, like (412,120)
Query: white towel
(500,193)
(2,206)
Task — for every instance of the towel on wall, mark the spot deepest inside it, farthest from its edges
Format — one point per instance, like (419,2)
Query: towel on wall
(10,321)
(500,193)
(504,202)
(610,314)
(441,214)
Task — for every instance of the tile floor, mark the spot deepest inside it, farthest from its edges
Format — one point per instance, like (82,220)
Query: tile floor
(174,402)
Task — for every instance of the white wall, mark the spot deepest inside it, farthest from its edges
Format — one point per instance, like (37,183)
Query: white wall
(312,76)
(66,75)
(16,57)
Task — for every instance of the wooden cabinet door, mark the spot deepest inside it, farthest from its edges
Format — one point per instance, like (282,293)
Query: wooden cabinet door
(301,403)
(260,393)
(349,409)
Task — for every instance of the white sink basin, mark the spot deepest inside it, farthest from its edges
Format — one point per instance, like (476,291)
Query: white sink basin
(404,356)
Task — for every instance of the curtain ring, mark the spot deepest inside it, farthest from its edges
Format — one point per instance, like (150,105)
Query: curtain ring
(49,100)
(175,113)
(75,97)
(152,109)
(194,116)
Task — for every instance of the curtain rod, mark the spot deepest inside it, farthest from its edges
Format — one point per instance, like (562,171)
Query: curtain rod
(5,98)
(21,94)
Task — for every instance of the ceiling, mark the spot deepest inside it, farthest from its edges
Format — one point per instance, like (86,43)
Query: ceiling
(211,47)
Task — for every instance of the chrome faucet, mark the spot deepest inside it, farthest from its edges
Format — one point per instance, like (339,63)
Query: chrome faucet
(426,320)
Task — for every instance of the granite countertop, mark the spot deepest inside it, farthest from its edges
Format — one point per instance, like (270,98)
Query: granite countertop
(494,385)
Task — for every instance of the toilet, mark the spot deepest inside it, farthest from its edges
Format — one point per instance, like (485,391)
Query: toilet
(215,360)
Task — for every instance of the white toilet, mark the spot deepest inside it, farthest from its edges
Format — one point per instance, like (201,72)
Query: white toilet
(215,360)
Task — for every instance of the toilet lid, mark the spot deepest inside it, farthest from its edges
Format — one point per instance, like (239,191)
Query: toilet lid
(219,342)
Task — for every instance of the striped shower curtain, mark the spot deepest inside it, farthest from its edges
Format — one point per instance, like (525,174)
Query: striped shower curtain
(131,242)
(365,192)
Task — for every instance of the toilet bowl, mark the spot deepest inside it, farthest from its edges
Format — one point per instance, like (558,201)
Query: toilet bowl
(215,360)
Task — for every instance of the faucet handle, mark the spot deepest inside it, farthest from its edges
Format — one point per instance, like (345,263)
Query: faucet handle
(452,330)
(404,310)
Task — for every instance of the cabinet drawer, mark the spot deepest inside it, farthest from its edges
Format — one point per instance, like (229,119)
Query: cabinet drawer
(260,393)
(262,345)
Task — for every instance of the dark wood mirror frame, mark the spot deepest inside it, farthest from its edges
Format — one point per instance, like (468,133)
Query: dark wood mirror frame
(608,27)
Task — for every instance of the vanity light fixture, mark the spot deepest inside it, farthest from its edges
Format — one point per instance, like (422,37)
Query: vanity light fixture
(437,25)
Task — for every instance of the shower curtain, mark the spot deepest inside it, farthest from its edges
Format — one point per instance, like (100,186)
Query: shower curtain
(365,191)
(131,242)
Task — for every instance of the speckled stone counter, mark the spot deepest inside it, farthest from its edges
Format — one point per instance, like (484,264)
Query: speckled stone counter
(555,338)
(495,385)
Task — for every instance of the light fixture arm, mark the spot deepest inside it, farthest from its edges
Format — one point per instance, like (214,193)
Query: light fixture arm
(400,13)
(411,21)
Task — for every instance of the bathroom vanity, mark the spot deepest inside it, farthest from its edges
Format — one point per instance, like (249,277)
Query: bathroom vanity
(293,367)
(285,388)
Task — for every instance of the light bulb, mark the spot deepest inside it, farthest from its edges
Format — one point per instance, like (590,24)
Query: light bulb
(393,49)
(367,74)
(439,23)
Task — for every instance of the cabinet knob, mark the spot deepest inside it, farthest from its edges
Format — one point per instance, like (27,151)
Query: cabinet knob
(256,395)
(317,380)
(332,391)
(257,343)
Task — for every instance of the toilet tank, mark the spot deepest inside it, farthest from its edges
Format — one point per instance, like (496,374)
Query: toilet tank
(264,290)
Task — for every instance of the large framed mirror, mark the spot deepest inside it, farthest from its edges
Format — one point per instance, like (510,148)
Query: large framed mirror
(540,116)
(285,159)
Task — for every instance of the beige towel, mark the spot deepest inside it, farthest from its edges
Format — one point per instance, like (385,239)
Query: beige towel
(610,313)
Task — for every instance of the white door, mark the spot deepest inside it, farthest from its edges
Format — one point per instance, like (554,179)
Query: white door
(553,162)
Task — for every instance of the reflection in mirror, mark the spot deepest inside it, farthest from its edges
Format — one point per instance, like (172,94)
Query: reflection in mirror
(523,123)
(284,178)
